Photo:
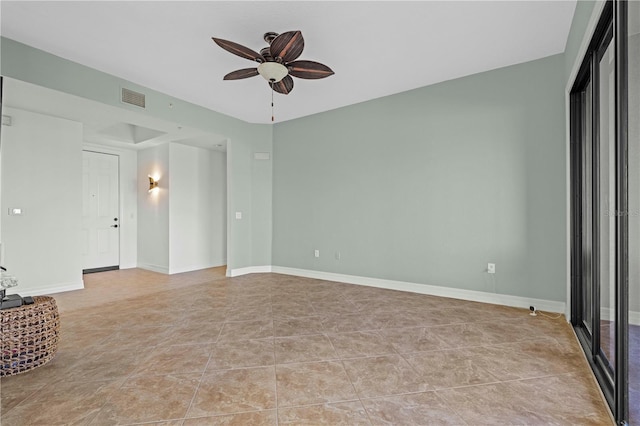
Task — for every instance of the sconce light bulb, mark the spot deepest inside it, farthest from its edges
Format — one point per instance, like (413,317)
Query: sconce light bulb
(153,183)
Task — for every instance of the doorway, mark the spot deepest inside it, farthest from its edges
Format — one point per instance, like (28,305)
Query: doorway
(100,212)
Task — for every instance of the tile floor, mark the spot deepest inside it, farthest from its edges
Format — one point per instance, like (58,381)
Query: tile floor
(267,349)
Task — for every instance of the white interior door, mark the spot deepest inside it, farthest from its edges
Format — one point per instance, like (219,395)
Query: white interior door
(100,211)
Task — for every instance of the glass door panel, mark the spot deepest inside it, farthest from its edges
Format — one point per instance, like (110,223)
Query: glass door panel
(607,213)
(587,209)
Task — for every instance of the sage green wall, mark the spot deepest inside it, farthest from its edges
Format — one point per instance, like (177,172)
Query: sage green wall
(429,185)
(249,186)
(581,16)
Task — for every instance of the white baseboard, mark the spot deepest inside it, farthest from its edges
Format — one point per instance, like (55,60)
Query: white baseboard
(40,291)
(154,268)
(248,270)
(609,315)
(455,293)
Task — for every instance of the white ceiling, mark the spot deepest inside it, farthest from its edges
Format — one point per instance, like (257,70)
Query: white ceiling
(375,48)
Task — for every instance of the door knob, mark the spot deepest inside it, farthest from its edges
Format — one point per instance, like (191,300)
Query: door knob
(114,226)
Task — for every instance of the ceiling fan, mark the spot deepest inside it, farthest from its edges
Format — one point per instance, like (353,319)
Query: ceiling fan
(277,62)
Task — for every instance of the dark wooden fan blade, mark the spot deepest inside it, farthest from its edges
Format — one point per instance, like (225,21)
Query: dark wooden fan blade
(309,69)
(238,49)
(284,86)
(287,46)
(243,73)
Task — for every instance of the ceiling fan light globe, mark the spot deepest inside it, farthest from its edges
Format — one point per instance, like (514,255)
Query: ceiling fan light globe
(272,71)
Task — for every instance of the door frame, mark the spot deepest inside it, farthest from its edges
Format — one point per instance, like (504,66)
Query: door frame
(612,23)
(128,205)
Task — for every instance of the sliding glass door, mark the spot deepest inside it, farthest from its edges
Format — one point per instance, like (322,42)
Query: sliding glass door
(605,198)
(604,229)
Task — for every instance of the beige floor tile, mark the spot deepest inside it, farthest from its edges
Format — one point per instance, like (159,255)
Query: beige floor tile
(205,314)
(153,315)
(149,398)
(73,337)
(191,333)
(534,358)
(418,317)
(450,368)
(348,322)
(54,371)
(9,398)
(255,418)
(339,413)
(384,375)
(334,307)
(298,326)
(241,354)
(249,312)
(492,404)
(116,364)
(415,339)
(564,399)
(138,338)
(315,347)
(62,403)
(246,330)
(466,335)
(413,409)
(313,383)
(360,344)
(177,359)
(234,391)
(555,357)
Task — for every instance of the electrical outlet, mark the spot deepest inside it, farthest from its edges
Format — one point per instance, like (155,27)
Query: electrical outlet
(491,268)
(316,253)
(337,255)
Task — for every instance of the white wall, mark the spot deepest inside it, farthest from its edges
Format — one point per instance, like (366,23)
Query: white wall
(190,224)
(182,225)
(42,246)
(153,209)
(128,202)
(218,208)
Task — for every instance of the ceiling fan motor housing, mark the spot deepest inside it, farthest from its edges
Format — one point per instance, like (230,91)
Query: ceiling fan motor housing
(272,71)
(266,53)
(270,36)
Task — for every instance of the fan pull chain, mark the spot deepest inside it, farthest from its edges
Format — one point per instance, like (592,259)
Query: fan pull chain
(271,81)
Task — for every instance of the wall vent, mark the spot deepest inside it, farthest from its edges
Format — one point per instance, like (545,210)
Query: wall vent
(133,98)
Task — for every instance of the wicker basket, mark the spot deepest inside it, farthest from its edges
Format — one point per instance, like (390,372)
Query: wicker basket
(29,335)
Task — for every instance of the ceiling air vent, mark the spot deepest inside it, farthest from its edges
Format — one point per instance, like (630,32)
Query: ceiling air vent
(132,98)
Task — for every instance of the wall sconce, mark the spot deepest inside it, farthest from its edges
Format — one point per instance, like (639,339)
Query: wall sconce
(153,183)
